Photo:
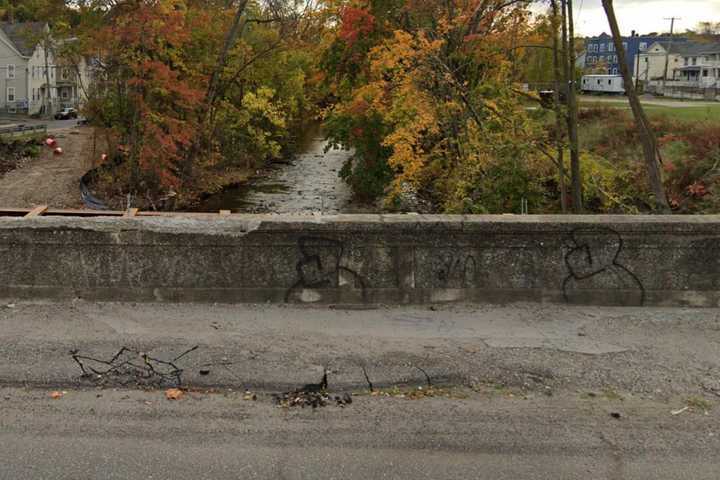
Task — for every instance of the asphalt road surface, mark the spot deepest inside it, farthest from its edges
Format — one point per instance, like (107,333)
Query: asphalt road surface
(489,434)
(517,392)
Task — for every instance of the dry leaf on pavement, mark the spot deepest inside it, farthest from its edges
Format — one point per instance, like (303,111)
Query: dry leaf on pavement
(173,393)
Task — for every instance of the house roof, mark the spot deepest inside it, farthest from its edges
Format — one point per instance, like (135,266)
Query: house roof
(22,34)
(689,48)
(698,48)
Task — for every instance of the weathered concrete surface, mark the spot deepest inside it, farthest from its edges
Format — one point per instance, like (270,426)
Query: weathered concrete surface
(653,352)
(367,259)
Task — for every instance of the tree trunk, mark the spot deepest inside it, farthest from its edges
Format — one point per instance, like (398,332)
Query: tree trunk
(230,40)
(569,63)
(559,133)
(646,135)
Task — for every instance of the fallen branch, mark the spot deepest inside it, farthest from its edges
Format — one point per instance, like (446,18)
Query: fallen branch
(131,363)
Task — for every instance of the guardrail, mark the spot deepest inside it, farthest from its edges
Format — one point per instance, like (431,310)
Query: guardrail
(22,129)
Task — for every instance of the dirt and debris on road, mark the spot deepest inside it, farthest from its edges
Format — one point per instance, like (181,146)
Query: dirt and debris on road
(50,179)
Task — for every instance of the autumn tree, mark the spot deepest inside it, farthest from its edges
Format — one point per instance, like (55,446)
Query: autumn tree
(195,94)
(148,91)
(430,105)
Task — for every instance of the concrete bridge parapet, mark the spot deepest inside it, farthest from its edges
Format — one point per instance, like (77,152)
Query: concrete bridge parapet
(365,259)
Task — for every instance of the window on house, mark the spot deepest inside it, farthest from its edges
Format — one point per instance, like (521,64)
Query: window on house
(643,46)
(599,82)
(705,73)
(602,47)
(65,94)
(610,47)
(624,45)
(10,94)
(646,60)
(694,60)
(615,71)
(11,71)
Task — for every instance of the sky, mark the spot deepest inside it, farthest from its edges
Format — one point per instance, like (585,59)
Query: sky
(643,16)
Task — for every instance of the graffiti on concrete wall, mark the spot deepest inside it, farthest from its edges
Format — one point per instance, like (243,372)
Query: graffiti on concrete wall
(455,270)
(321,267)
(592,261)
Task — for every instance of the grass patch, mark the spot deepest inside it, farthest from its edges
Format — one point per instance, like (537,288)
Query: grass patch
(697,113)
(699,403)
(708,113)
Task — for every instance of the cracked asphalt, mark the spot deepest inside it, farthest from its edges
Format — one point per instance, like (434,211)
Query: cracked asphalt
(522,391)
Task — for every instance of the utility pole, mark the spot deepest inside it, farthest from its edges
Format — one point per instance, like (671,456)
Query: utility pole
(568,32)
(669,47)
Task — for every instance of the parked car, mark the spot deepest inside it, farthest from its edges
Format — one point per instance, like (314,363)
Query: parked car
(66,114)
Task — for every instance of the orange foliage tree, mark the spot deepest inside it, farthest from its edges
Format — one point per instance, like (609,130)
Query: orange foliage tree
(148,90)
(429,103)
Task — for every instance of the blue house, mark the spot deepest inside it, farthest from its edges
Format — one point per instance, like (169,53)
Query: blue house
(601,49)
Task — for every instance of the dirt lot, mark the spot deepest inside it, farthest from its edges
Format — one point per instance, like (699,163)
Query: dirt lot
(49,179)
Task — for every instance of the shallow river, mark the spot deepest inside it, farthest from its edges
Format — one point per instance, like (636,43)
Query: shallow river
(308,183)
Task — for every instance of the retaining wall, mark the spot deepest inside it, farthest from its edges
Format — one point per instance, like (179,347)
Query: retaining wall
(366,259)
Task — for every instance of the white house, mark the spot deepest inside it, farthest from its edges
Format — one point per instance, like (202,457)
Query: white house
(30,83)
(651,63)
(700,66)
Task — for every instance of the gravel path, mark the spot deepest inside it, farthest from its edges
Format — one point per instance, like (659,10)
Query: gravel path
(49,179)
